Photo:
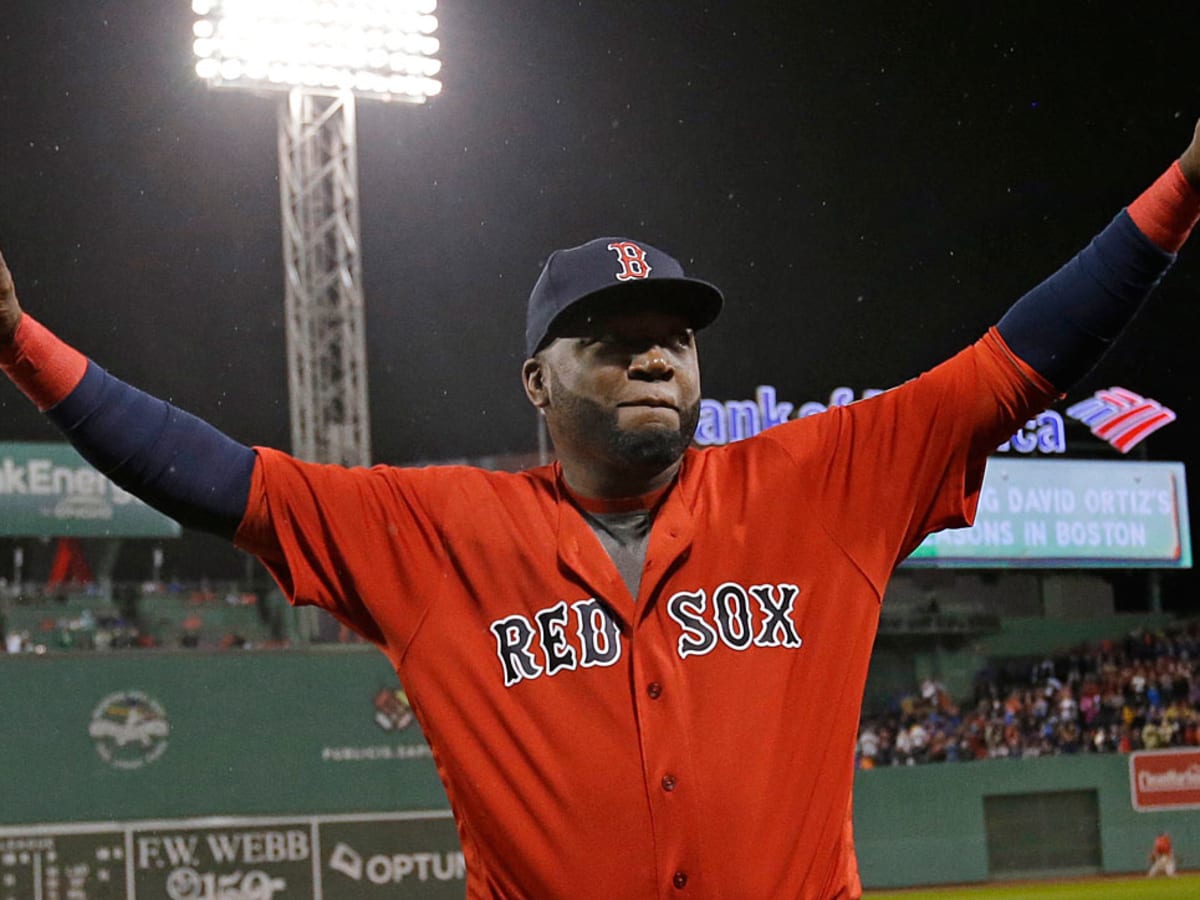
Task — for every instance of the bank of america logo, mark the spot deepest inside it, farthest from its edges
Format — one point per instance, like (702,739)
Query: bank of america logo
(1121,417)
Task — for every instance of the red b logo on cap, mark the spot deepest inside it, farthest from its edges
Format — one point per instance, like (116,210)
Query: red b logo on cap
(633,261)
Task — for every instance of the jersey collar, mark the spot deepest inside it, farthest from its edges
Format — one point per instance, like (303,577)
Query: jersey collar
(580,551)
(601,505)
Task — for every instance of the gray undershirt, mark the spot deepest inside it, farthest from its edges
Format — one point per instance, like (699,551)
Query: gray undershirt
(625,536)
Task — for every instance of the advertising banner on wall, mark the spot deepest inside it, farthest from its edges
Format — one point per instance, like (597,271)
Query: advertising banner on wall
(1165,779)
(49,490)
(339,857)
(1071,513)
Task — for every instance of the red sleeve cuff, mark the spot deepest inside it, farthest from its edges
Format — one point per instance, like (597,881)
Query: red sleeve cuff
(1168,210)
(44,367)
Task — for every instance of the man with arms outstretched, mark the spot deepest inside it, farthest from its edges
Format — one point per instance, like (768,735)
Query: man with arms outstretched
(639,668)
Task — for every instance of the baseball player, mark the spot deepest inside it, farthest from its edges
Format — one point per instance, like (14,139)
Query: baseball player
(640,667)
(1162,857)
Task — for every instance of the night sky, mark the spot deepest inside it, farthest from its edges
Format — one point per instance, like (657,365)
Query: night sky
(871,184)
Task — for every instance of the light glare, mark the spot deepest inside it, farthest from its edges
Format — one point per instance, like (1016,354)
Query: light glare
(381,50)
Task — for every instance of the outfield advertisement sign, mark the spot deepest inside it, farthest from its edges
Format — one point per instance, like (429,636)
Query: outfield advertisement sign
(49,490)
(1071,513)
(1165,779)
(337,857)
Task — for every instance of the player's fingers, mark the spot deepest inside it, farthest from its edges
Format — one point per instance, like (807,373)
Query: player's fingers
(1190,160)
(6,280)
(7,286)
(10,310)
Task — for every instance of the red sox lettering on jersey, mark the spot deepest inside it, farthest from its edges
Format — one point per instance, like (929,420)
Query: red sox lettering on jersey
(633,261)
(732,620)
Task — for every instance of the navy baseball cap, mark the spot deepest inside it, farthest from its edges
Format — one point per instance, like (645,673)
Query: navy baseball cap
(611,271)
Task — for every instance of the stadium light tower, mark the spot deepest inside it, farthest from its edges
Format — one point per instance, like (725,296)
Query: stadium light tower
(320,55)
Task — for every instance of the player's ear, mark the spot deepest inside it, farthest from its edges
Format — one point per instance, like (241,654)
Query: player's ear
(535,380)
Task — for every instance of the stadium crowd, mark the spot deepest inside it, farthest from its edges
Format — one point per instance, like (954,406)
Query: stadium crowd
(37,619)
(1115,696)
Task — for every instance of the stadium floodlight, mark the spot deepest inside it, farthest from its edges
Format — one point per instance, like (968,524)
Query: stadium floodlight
(378,49)
(321,55)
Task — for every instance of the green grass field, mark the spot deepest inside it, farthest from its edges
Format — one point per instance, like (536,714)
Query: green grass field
(1125,888)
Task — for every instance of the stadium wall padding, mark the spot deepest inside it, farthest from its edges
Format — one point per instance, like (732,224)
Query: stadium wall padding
(126,737)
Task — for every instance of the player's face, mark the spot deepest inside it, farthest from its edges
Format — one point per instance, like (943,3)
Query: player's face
(623,389)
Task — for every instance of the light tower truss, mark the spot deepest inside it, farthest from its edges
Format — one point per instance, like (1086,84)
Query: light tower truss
(323,299)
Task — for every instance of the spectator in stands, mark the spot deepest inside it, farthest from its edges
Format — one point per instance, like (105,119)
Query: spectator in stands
(868,747)
(903,755)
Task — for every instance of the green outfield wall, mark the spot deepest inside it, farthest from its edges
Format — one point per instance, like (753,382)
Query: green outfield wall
(302,773)
(927,824)
(165,734)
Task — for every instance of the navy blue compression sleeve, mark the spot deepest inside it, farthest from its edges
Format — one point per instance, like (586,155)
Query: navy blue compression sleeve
(1065,325)
(177,463)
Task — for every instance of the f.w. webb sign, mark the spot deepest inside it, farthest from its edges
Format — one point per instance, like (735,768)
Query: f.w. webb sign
(1165,779)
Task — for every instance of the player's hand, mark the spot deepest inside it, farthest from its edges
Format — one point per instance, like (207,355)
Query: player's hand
(10,309)
(1190,161)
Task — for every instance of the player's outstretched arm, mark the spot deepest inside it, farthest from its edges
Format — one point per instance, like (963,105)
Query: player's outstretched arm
(167,457)
(1065,325)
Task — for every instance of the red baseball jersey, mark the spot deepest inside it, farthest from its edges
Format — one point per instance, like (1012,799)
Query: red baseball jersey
(695,740)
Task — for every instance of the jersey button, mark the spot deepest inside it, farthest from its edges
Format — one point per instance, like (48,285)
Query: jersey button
(668,782)
(680,880)
(654,689)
